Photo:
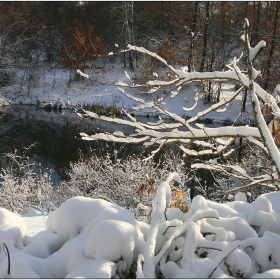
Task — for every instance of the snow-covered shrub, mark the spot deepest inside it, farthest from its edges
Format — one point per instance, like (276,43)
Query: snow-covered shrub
(214,240)
(228,181)
(108,231)
(12,228)
(114,234)
(6,77)
(146,67)
(25,186)
(22,189)
(74,215)
(42,244)
(129,181)
(103,240)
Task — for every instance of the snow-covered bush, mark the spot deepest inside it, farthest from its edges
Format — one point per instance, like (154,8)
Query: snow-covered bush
(21,188)
(94,238)
(253,161)
(12,228)
(6,77)
(26,186)
(147,66)
(130,182)
(213,240)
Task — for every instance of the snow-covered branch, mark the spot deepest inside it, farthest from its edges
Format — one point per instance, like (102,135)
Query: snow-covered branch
(188,133)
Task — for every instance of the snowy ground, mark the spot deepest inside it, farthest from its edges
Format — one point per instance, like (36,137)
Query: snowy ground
(57,85)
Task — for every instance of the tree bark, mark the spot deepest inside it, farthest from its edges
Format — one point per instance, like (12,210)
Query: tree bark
(190,62)
(273,44)
(205,40)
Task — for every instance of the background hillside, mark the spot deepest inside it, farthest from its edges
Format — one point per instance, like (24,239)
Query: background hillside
(200,34)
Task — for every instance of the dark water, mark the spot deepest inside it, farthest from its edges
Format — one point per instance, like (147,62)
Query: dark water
(53,136)
(52,139)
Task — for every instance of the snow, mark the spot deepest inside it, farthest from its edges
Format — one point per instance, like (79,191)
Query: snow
(114,234)
(273,273)
(42,244)
(103,89)
(82,74)
(74,215)
(239,261)
(94,269)
(12,229)
(240,197)
(274,199)
(94,238)
(254,51)
(174,213)
(274,263)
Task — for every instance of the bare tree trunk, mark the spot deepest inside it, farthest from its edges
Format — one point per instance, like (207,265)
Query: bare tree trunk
(205,41)
(190,62)
(273,44)
(268,7)
(131,59)
(256,22)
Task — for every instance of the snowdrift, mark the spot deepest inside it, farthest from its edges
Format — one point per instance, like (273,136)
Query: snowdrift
(93,238)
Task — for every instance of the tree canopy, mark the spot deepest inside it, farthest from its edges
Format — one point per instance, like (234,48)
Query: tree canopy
(201,34)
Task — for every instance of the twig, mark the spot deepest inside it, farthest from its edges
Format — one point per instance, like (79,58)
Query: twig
(222,261)
(8,254)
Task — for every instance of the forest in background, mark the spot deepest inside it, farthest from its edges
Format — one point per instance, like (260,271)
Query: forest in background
(200,34)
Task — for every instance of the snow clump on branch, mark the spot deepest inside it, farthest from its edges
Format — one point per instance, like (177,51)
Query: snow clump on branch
(188,133)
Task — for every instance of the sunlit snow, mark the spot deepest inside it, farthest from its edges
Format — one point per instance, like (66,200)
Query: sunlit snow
(92,238)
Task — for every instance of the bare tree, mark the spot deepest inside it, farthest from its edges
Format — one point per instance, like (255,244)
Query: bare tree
(273,45)
(21,40)
(188,133)
(124,11)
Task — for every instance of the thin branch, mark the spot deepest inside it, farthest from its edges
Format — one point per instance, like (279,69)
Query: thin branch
(9,260)
(222,261)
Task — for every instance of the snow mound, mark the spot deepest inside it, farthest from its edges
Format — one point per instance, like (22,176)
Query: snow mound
(77,213)
(11,220)
(74,215)
(42,244)
(273,273)
(174,213)
(240,196)
(12,229)
(94,269)
(111,240)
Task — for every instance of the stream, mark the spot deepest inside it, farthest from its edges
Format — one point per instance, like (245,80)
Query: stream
(52,137)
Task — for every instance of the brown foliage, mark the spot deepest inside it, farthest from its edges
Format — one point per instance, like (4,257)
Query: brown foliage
(149,186)
(80,46)
(166,52)
(177,195)
(276,131)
